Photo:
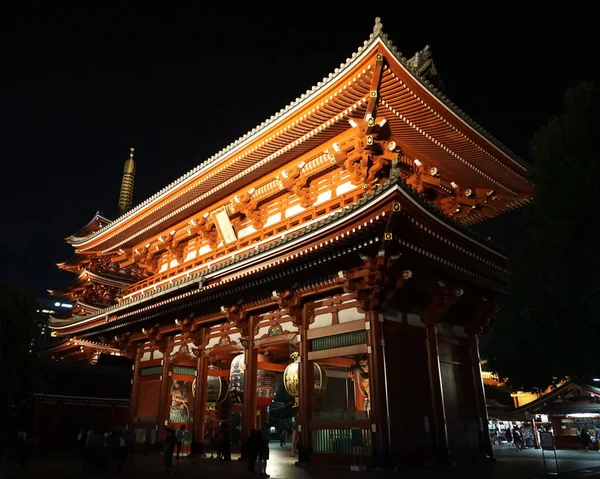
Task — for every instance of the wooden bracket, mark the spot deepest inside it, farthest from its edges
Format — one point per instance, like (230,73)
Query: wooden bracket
(442,300)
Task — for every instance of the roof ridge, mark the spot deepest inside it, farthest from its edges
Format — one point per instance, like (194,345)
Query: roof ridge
(443,98)
(304,96)
(376,34)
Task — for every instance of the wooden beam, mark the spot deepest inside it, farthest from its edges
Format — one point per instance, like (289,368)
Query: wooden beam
(337,362)
(337,352)
(336,329)
(272,366)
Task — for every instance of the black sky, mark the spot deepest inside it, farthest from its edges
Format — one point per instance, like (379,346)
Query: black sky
(81,84)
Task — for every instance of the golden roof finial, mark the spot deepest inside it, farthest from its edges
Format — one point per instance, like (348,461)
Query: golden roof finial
(126,194)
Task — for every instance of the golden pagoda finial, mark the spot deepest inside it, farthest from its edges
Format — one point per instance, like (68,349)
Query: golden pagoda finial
(126,194)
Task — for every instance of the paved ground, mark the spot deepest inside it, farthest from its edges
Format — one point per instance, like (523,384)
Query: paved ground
(510,465)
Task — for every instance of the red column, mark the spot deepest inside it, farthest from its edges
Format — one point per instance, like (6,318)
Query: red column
(306,386)
(165,391)
(379,413)
(250,379)
(436,390)
(200,400)
(135,386)
(486,443)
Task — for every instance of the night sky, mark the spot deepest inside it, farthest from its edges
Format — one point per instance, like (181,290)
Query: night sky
(81,85)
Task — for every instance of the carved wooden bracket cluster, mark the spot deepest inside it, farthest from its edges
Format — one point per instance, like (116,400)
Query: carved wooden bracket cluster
(377,282)
(291,301)
(484,310)
(442,300)
(123,343)
(293,180)
(157,339)
(365,155)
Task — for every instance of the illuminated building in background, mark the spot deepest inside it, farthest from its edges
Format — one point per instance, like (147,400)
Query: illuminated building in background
(331,246)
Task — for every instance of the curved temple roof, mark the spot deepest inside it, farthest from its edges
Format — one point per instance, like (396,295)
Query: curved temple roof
(466,144)
(252,259)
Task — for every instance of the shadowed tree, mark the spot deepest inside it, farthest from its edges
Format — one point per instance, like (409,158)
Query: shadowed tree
(18,320)
(549,325)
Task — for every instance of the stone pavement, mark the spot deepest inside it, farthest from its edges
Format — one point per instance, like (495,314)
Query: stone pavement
(510,464)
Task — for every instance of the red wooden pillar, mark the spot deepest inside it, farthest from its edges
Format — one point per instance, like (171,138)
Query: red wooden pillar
(486,442)
(306,389)
(250,381)
(201,390)
(135,386)
(165,391)
(435,386)
(379,411)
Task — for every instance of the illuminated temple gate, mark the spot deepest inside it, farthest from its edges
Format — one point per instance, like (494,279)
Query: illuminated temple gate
(334,237)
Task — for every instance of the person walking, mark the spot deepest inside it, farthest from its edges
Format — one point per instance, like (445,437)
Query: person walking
(517,439)
(585,439)
(253,446)
(294,441)
(170,441)
(180,436)
(282,438)
(21,448)
(263,454)
(508,435)
(225,444)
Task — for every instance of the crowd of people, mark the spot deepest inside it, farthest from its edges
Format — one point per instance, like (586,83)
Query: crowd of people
(522,437)
(102,450)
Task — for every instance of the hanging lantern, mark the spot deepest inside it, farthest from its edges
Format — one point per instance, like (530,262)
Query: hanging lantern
(265,384)
(236,379)
(291,380)
(216,390)
(265,389)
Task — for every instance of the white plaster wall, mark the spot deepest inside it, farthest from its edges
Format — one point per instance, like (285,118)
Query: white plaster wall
(350,314)
(393,315)
(262,331)
(289,326)
(414,320)
(321,320)
(325,196)
(459,332)
(157,355)
(276,218)
(248,230)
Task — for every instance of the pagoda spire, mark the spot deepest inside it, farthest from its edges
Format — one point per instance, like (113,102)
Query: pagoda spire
(126,194)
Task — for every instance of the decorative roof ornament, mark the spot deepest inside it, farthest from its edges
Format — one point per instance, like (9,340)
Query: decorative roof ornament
(378,27)
(421,63)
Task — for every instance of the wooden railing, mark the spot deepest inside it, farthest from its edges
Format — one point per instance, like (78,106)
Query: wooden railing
(347,439)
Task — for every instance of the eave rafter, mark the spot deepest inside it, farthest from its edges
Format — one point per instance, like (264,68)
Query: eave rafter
(377,46)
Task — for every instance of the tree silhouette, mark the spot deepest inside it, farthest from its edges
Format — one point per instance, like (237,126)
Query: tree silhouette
(549,325)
